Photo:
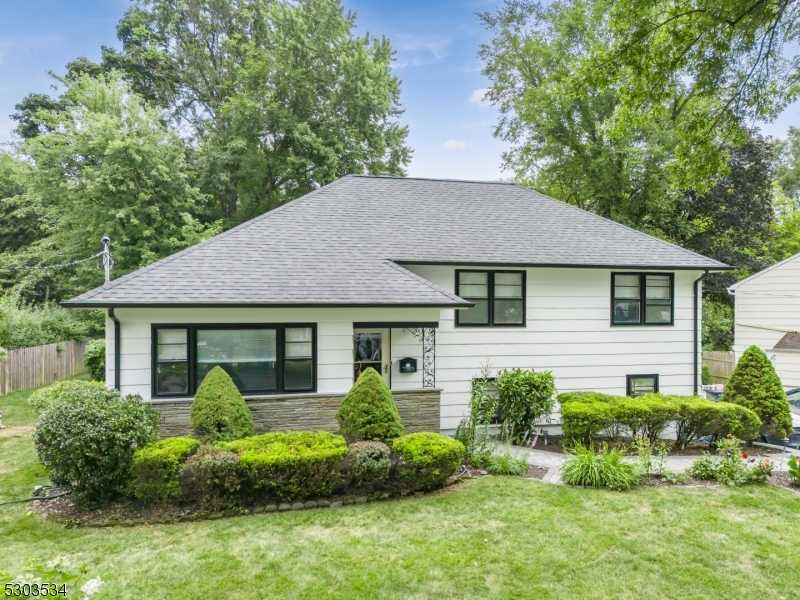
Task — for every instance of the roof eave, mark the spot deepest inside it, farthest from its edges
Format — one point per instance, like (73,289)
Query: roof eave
(710,268)
(112,304)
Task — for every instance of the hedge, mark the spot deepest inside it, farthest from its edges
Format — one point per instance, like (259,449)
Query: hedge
(292,465)
(156,467)
(587,415)
(427,460)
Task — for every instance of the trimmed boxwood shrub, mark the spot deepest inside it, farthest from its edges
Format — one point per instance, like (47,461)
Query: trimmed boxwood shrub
(368,411)
(646,416)
(211,478)
(155,467)
(292,465)
(754,384)
(427,460)
(94,359)
(69,390)
(367,464)
(88,443)
(584,419)
(219,412)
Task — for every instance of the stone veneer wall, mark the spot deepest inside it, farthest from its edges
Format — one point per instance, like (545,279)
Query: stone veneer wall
(419,411)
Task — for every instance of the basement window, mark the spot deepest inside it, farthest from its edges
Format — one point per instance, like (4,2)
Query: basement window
(638,385)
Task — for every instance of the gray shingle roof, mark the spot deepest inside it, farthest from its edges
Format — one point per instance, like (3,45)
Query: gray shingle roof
(344,244)
(790,341)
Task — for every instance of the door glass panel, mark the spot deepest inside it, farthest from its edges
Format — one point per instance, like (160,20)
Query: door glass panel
(367,352)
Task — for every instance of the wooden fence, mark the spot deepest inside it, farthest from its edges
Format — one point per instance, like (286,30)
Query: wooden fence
(720,363)
(40,365)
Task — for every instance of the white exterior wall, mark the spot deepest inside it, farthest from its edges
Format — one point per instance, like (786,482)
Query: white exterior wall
(767,307)
(334,340)
(568,332)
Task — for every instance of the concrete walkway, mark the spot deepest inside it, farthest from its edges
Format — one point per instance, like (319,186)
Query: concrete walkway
(552,461)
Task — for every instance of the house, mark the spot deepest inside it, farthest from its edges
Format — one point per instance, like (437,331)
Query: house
(424,280)
(768,316)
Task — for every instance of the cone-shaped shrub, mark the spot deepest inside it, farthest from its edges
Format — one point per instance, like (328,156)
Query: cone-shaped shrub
(755,385)
(368,411)
(219,412)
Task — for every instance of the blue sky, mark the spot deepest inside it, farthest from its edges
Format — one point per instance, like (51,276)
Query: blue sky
(436,43)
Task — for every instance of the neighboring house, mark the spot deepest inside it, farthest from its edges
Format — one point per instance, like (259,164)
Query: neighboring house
(768,316)
(423,279)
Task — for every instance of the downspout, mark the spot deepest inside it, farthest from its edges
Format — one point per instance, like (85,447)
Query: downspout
(114,318)
(697,331)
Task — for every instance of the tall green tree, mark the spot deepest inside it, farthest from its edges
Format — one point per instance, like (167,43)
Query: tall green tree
(558,127)
(717,66)
(108,166)
(280,97)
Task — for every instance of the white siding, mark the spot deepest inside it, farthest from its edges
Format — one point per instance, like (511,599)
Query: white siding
(568,332)
(334,339)
(767,306)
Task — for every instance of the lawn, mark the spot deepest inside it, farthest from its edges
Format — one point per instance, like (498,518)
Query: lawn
(494,537)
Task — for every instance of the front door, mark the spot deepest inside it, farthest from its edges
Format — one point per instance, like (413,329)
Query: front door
(371,349)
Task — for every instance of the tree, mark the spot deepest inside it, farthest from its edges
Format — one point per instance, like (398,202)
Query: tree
(19,223)
(280,96)
(108,167)
(558,127)
(716,66)
(755,385)
(786,230)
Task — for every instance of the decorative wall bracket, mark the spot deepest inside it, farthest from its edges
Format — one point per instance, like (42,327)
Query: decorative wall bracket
(426,335)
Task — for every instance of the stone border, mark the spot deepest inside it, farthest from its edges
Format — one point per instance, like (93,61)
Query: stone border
(334,502)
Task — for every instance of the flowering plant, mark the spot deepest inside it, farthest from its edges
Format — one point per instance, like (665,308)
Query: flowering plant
(794,470)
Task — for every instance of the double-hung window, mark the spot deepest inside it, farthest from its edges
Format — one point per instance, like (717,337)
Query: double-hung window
(260,359)
(642,298)
(498,296)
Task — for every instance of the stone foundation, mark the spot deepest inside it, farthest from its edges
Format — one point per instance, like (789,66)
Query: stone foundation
(419,411)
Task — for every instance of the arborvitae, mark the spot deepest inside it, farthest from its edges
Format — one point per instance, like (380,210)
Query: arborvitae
(219,412)
(754,384)
(368,411)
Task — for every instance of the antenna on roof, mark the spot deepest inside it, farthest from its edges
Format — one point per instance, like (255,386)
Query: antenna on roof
(108,262)
(384,174)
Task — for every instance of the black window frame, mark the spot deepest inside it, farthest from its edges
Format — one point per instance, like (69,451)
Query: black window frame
(490,280)
(191,355)
(629,379)
(643,298)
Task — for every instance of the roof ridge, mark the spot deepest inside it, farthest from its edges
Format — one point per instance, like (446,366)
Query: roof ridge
(168,259)
(403,178)
(618,224)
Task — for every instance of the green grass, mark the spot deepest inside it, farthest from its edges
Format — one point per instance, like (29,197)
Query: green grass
(495,537)
(16,410)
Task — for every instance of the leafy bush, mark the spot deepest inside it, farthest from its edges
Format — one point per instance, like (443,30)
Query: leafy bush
(731,466)
(368,411)
(717,325)
(427,460)
(88,443)
(506,464)
(24,325)
(292,465)
(586,468)
(646,416)
(94,359)
(794,470)
(584,419)
(211,477)
(367,463)
(68,390)
(219,412)
(473,431)
(523,397)
(755,385)
(155,467)
(705,375)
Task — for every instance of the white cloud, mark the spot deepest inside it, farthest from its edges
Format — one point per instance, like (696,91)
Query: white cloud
(479,97)
(418,50)
(456,145)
